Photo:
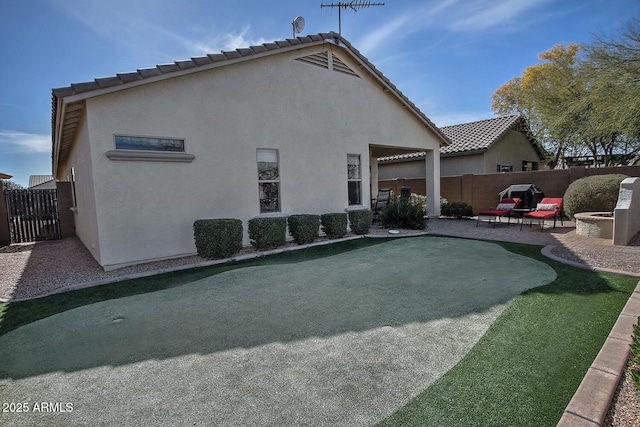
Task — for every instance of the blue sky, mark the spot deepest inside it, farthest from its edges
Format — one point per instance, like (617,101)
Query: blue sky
(447,56)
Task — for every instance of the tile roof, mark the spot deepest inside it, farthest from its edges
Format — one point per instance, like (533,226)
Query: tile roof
(5,176)
(478,136)
(64,123)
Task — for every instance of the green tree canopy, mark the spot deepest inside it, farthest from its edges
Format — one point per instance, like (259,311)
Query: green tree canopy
(10,185)
(582,100)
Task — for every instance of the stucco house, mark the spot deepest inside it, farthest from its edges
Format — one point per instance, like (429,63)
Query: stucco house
(293,126)
(500,144)
(41,182)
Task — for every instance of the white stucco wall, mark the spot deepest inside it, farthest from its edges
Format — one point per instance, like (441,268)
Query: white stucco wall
(313,116)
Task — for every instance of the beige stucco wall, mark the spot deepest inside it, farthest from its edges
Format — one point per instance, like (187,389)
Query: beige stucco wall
(512,149)
(458,165)
(414,168)
(85,212)
(313,116)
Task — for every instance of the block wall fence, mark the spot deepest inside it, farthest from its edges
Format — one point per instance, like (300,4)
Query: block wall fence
(481,191)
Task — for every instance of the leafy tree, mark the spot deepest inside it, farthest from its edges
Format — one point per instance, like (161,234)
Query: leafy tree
(540,94)
(614,67)
(581,99)
(10,185)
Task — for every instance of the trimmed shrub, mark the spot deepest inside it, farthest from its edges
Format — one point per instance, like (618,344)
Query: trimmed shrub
(304,228)
(217,238)
(268,232)
(456,209)
(598,193)
(402,214)
(334,225)
(360,221)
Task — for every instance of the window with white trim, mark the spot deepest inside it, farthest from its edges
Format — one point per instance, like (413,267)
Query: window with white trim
(354,179)
(125,142)
(268,180)
(149,148)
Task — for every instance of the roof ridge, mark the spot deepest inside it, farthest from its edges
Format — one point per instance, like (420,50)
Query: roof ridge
(185,64)
(483,120)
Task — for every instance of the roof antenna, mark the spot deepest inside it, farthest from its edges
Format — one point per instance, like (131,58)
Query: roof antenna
(353,4)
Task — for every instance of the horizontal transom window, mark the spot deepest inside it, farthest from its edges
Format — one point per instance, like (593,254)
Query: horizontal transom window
(146,143)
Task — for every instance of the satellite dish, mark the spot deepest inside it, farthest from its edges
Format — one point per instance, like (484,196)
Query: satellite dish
(298,25)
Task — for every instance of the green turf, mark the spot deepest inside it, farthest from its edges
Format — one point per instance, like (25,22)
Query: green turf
(16,314)
(526,368)
(523,371)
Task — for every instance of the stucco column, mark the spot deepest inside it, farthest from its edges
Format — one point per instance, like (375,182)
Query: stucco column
(373,167)
(432,174)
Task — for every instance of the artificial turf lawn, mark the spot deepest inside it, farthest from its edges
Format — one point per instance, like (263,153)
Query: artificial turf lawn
(526,368)
(16,314)
(523,371)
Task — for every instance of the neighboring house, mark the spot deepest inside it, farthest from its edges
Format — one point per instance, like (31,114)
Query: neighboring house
(42,182)
(287,127)
(501,144)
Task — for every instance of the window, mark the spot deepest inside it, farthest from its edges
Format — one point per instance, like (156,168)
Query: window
(354,179)
(150,149)
(529,166)
(268,180)
(149,143)
(504,168)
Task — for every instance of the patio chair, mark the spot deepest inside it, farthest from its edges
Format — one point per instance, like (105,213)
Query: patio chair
(381,201)
(504,208)
(549,207)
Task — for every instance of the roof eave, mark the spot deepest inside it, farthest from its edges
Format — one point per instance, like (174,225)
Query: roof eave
(389,87)
(464,153)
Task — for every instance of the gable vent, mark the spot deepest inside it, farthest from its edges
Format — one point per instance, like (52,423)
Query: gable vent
(318,59)
(341,67)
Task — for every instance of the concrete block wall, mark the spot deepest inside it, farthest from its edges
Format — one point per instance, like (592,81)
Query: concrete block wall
(481,191)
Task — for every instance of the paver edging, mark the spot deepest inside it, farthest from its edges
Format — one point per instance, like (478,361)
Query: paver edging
(604,374)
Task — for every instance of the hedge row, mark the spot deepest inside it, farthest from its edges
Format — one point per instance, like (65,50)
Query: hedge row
(222,238)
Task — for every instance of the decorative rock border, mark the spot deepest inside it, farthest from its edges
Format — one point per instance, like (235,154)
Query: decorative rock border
(590,403)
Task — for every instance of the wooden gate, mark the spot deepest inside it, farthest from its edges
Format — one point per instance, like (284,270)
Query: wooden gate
(33,215)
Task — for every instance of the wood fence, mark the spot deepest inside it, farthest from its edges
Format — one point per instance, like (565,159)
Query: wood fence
(33,215)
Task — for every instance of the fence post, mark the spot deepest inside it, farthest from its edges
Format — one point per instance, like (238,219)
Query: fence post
(5,235)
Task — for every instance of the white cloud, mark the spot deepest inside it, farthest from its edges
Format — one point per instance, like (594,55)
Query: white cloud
(450,16)
(228,41)
(12,142)
(380,34)
(476,15)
